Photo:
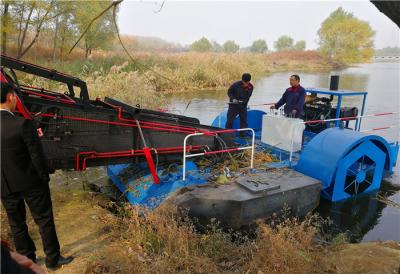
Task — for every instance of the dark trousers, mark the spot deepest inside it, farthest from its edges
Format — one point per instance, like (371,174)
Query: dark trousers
(235,110)
(39,203)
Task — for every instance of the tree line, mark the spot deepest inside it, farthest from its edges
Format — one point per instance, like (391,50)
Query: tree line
(258,46)
(388,51)
(342,37)
(58,24)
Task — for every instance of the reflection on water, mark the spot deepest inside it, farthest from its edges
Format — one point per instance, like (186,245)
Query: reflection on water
(364,218)
(380,80)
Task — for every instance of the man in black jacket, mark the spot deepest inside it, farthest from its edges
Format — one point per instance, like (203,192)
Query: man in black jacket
(25,179)
(239,95)
(293,99)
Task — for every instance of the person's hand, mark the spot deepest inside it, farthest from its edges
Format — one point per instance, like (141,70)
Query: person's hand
(294,112)
(272,107)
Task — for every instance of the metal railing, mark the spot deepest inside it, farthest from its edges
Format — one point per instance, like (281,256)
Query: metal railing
(214,133)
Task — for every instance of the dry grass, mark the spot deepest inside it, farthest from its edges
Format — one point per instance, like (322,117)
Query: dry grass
(165,241)
(112,75)
(196,71)
(182,72)
(212,71)
(381,197)
(129,86)
(310,60)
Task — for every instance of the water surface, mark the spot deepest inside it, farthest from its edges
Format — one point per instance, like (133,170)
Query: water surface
(363,218)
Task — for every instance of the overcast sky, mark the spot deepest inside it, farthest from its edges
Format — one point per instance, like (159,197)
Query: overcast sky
(245,21)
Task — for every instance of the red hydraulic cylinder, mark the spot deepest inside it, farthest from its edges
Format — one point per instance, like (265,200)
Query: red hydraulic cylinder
(150,162)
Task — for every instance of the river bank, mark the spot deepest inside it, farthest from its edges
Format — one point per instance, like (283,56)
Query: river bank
(106,238)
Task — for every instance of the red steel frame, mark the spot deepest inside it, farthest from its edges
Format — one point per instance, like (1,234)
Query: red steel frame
(81,158)
(63,98)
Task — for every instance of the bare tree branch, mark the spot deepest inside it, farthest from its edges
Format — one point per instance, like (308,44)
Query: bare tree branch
(21,18)
(113,4)
(3,25)
(127,52)
(21,44)
(38,29)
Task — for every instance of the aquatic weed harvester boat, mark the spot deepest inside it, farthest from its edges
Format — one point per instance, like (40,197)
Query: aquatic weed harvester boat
(153,156)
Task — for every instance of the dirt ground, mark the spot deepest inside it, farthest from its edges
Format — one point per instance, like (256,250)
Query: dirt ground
(78,222)
(82,227)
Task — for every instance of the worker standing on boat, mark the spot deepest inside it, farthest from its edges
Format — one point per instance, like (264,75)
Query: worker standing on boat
(239,95)
(25,179)
(293,99)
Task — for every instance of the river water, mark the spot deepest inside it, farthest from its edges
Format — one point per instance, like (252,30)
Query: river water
(363,218)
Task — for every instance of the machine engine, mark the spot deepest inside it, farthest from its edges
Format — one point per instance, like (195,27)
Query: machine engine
(320,108)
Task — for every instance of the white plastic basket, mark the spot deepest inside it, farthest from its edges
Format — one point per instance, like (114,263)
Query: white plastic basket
(278,131)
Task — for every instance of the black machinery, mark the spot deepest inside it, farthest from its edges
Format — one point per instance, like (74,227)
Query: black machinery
(321,108)
(78,132)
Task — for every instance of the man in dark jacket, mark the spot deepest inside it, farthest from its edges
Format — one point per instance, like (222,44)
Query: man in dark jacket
(293,99)
(239,95)
(25,179)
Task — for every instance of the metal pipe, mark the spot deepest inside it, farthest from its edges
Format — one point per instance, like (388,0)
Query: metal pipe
(334,83)
(339,104)
(141,133)
(362,111)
